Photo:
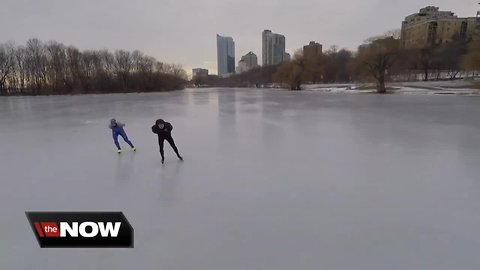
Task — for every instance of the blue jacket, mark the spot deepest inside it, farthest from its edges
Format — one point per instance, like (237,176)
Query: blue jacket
(117,127)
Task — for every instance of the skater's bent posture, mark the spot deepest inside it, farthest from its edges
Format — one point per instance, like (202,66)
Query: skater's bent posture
(117,130)
(164,131)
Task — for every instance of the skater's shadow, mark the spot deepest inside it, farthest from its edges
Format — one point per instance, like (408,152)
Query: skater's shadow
(125,168)
(169,182)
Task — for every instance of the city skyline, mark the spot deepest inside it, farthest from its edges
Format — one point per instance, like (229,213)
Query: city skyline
(160,29)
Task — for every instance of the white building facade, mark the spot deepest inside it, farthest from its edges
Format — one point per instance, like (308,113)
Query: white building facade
(247,62)
(273,48)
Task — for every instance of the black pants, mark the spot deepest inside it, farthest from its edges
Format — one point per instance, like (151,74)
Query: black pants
(171,142)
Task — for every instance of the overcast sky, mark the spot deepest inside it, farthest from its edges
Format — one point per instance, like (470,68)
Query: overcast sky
(184,31)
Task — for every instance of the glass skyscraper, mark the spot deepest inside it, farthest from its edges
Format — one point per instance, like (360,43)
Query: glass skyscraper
(225,55)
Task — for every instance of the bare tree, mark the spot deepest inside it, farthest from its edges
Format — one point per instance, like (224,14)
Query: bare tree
(7,64)
(53,68)
(36,64)
(178,71)
(336,66)
(375,59)
(451,54)
(57,61)
(395,33)
(20,56)
(293,73)
(74,72)
(123,66)
(108,61)
(471,60)
(425,60)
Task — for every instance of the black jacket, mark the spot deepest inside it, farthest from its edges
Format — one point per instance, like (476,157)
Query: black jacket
(165,132)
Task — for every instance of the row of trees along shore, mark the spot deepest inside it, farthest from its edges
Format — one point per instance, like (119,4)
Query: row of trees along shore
(379,60)
(51,68)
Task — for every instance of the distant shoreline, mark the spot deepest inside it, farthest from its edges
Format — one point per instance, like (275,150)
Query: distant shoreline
(84,94)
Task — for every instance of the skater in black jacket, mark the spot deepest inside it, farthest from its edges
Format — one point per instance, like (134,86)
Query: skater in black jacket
(164,131)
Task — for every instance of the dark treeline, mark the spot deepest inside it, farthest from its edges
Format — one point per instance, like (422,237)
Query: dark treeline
(382,59)
(330,67)
(379,60)
(255,77)
(52,68)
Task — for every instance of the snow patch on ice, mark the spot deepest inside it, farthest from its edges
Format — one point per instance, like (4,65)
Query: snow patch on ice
(458,87)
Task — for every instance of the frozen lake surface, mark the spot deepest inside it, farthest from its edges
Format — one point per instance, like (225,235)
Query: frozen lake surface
(271,180)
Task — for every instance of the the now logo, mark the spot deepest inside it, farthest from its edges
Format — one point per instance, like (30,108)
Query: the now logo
(85,229)
(81,229)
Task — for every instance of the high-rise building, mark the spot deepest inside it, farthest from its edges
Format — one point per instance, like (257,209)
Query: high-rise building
(312,50)
(432,27)
(242,67)
(273,48)
(248,62)
(225,55)
(199,72)
(476,32)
